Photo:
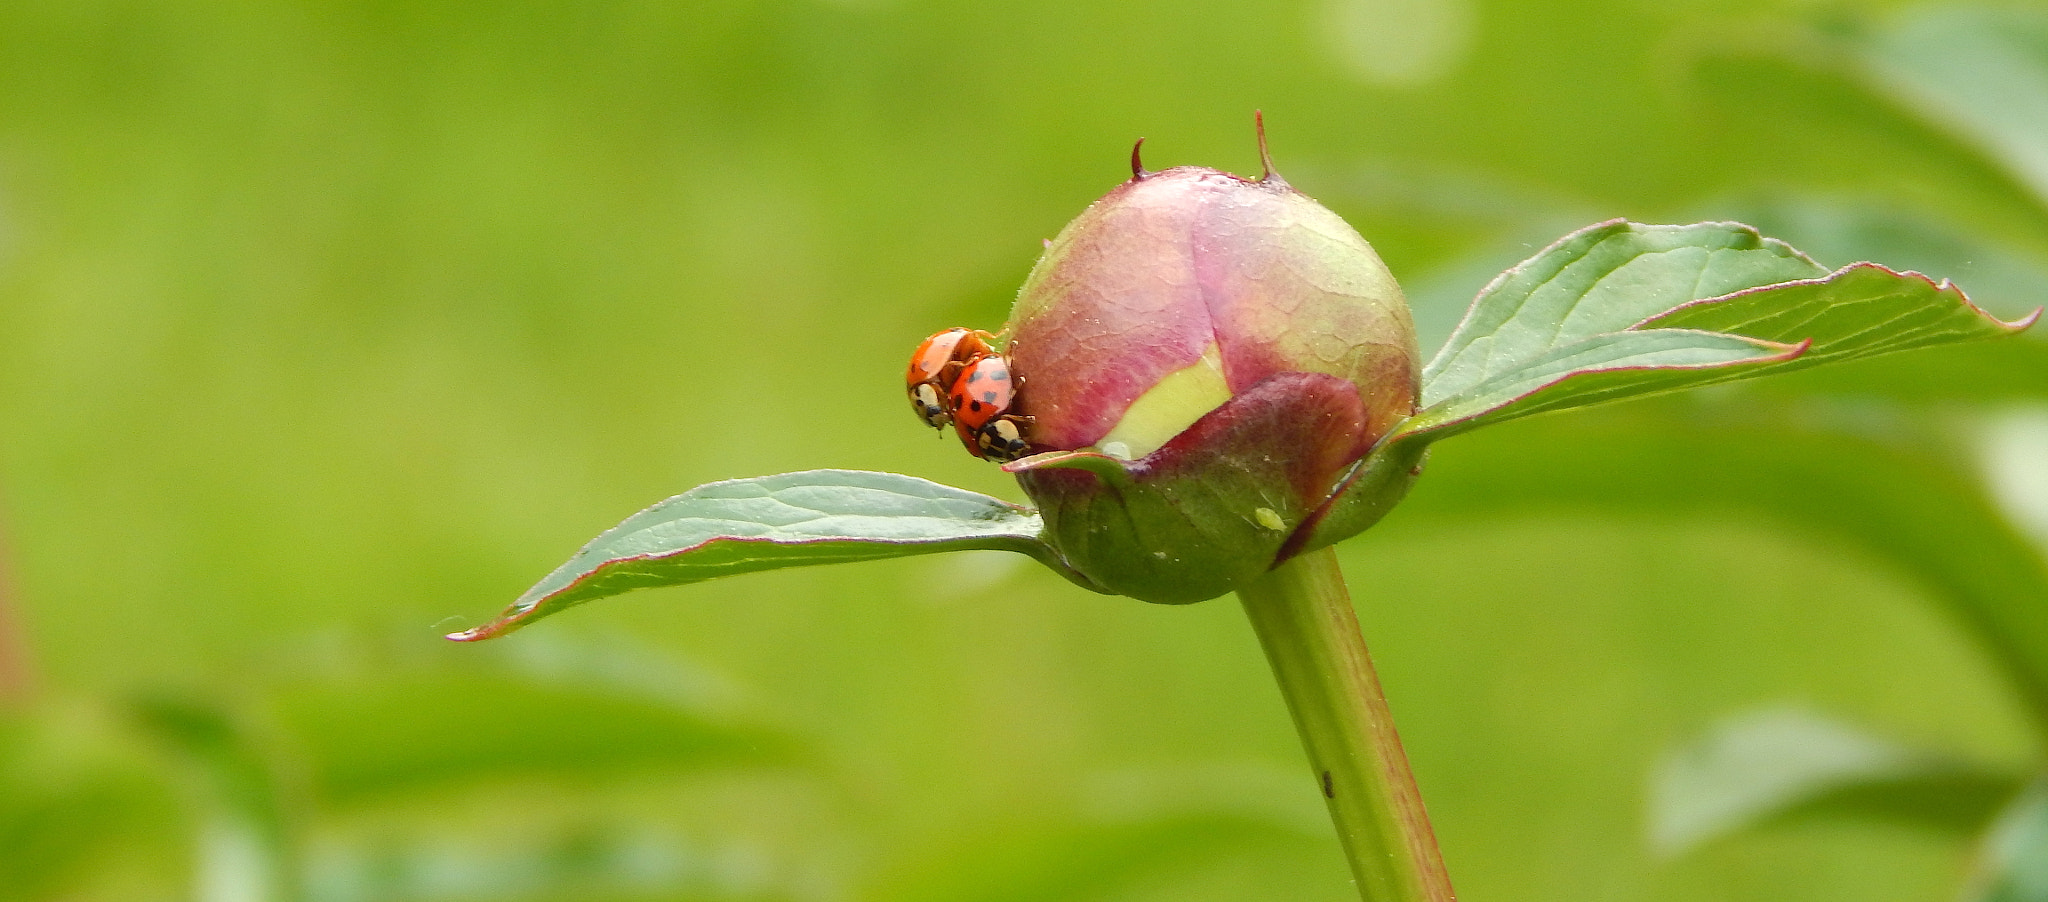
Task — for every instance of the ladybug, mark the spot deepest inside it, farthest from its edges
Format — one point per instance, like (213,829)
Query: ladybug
(982,400)
(934,366)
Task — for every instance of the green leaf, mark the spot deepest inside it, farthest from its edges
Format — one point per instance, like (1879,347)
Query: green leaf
(1779,764)
(2013,865)
(1606,367)
(1619,310)
(1861,310)
(771,522)
(2004,277)
(1601,279)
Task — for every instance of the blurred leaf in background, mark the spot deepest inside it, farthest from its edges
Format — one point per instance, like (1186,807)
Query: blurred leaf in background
(325,327)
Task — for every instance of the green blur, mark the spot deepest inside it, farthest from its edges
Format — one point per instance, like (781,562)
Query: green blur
(326,329)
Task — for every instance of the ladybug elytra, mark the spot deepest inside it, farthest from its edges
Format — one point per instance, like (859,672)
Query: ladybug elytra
(982,399)
(934,366)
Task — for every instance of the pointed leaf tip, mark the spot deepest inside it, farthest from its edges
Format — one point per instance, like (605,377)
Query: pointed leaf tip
(1620,310)
(773,522)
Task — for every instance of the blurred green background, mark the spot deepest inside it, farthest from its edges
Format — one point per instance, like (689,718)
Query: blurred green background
(328,327)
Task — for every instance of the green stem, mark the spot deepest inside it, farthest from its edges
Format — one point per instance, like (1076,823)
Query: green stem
(1302,615)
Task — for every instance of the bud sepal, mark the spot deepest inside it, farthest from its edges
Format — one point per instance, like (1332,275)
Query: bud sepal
(1212,508)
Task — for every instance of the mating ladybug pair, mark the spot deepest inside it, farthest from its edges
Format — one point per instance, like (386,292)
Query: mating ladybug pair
(955,377)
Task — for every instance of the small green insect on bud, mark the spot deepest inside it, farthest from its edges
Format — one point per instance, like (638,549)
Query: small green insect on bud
(1207,357)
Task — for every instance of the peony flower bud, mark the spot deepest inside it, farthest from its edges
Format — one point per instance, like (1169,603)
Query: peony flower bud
(1214,353)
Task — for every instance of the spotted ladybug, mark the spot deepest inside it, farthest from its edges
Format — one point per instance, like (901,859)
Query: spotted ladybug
(982,399)
(934,366)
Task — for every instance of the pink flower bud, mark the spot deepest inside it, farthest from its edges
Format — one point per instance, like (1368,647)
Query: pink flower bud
(1193,326)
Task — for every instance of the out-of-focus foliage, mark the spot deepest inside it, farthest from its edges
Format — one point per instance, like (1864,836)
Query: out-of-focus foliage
(2014,866)
(1785,763)
(325,327)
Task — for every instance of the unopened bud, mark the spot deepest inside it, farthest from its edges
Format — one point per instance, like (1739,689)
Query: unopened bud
(1217,352)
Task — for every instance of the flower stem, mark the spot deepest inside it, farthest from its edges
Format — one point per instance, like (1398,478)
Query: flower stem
(1302,615)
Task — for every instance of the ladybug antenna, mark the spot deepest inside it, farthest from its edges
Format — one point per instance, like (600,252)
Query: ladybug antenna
(1270,176)
(1138,163)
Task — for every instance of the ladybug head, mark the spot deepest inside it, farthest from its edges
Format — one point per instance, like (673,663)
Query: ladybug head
(930,405)
(1002,439)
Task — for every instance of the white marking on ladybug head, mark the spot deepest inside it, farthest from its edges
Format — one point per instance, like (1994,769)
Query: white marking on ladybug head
(926,399)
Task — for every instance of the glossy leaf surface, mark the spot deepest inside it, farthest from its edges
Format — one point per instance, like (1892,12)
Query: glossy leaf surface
(767,523)
(1620,310)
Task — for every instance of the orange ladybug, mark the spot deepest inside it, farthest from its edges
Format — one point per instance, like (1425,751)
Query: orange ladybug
(982,399)
(934,366)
